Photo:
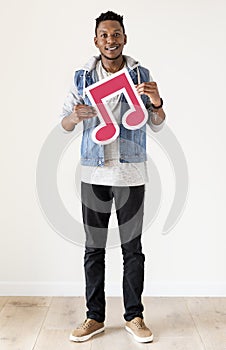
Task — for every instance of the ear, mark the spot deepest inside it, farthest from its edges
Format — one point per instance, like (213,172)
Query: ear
(125,39)
(96,41)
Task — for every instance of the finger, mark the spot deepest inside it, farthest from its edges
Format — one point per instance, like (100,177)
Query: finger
(148,84)
(86,109)
(148,89)
(94,110)
(86,114)
(89,109)
(79,106)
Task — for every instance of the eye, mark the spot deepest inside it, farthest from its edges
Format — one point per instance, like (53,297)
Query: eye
(104,35)
(116,35)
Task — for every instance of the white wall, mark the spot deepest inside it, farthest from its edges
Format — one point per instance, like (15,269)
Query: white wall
(183,44)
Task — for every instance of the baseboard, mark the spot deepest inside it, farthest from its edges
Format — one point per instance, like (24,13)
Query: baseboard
(157,288)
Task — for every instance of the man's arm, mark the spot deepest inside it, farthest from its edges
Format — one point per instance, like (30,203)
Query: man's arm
(156,115)
(80,112)
(74,110)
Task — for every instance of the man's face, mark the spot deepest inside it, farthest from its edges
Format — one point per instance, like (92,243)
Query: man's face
(110,39)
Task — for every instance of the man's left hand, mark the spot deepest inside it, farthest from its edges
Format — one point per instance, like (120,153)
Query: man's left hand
(151,90)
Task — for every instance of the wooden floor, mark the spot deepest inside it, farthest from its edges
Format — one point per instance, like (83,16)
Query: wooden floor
(44,323)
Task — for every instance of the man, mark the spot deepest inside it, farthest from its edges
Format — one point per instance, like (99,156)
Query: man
(114,171)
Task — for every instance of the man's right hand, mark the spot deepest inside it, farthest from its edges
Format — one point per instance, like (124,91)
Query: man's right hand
(81,112)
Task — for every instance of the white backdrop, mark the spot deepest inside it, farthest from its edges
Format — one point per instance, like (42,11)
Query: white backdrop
(183,44)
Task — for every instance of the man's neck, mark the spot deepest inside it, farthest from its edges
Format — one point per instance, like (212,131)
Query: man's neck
(112,66)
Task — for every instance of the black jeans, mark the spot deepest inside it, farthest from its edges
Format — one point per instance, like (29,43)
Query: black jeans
(96,209)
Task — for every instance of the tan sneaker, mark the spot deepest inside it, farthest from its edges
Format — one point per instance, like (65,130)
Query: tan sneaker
(139,330)
(86,330)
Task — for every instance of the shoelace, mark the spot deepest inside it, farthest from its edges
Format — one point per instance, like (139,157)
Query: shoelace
(86,324)
(138,324)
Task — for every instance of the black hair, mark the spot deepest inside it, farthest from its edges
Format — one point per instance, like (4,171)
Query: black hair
(109,15)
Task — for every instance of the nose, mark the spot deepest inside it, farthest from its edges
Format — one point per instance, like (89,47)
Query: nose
(110,39)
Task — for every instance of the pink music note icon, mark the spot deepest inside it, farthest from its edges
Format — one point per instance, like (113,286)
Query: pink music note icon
(100,92)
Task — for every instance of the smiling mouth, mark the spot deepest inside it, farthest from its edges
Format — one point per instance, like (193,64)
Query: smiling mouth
(113,48)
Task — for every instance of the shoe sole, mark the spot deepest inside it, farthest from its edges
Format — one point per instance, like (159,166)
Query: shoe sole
(85,337)
(140,339)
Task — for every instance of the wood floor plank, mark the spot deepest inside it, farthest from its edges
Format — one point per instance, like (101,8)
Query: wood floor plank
(169,317)
(20,325)
(177,343)
(3,301)
(29,301)
(219,305)
(65,313)
(58,339)
(114,312)
(209,315)
(118,338)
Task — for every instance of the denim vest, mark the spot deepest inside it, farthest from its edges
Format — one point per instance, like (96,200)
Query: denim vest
(132,143)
